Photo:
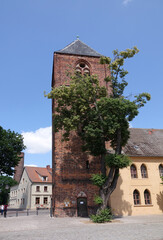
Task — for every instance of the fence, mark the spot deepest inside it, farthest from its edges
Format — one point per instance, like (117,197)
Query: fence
(28,212)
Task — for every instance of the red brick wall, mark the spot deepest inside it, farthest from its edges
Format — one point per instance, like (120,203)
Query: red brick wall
(19,168)
(70,174)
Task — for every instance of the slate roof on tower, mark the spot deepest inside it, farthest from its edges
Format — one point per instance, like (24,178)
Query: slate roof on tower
(77,47)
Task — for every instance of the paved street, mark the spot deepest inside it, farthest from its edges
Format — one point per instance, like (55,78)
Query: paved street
(43,227)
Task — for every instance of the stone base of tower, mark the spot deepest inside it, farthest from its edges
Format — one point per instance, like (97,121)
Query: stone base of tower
(75,200)
(72,212)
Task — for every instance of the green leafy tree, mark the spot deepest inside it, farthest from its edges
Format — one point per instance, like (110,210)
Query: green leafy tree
(11,145)
(5,183)
(99,117)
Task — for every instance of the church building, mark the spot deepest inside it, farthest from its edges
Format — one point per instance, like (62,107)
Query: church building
(73,192)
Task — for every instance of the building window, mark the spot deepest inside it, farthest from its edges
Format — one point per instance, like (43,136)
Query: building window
(37,200)
(87,164)
(23,201)
(45,200)
(44,178)
(161,170)
(136,197)
(37,188)
(133,171)
(82,68)
(147,197)
(45,188)
(144,171)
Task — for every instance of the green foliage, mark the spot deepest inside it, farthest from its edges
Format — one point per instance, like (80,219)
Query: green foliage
(98,179)
(11,145)
(103,216)
(117,161)
(4,193)
(98,200)
(85,107)
(162,180)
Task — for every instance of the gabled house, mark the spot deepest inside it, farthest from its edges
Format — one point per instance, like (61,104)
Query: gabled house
(34,189)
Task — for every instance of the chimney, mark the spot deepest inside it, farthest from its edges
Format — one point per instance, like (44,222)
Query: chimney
(47,167)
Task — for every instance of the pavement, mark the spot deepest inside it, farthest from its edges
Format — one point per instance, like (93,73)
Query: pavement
(44,227)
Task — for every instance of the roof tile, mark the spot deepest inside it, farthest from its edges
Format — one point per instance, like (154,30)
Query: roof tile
(77,47)
(145,142)
(35,174)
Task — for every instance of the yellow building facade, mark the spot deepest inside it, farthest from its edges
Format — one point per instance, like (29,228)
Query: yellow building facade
(139,190)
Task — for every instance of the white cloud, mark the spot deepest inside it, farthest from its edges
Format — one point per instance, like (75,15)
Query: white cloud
(125,2)
(30,165)
(39,141)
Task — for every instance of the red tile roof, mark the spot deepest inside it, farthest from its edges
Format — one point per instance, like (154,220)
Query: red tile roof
(36,173)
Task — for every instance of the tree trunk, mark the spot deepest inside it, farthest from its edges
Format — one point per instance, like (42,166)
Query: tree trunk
(112,178)
(103,165)
(109,186)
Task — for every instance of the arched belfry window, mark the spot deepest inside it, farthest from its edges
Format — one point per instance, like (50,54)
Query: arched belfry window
(133,171)
(161,170)
(144,171)
(83,68)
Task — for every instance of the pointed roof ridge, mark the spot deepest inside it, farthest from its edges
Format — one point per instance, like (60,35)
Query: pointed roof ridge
(77,47)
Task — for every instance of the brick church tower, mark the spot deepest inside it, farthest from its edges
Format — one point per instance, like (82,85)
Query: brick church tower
(73,192)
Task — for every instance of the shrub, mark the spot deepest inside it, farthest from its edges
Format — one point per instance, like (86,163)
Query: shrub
(103,216)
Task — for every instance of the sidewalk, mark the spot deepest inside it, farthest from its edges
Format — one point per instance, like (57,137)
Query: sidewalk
(43,227)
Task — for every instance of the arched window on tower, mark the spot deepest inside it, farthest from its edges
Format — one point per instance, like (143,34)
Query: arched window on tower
(82,68)
(136,197)
(147,197)
(161,170)
(144,171)
(133,171)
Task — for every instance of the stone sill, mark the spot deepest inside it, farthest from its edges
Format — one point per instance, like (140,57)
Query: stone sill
(146,205)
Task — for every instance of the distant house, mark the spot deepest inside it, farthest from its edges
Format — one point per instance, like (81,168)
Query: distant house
(34,189)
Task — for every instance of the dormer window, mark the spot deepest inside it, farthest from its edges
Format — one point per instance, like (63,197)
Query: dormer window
(44,178)
(82,68)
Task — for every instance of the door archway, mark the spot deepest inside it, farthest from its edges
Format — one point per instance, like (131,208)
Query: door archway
(82,207)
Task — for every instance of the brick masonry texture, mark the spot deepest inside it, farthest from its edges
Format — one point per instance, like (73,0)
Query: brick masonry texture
(19,169)
(71,178)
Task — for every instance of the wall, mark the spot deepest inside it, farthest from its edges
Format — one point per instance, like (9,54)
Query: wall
(122,198)
(71,178)
(20,194)
(41,195)
(19,168)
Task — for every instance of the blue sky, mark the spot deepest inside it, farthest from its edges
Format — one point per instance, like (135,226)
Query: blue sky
(32,30)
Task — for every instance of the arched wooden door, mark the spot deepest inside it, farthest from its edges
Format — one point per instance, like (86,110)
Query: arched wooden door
(82,207)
